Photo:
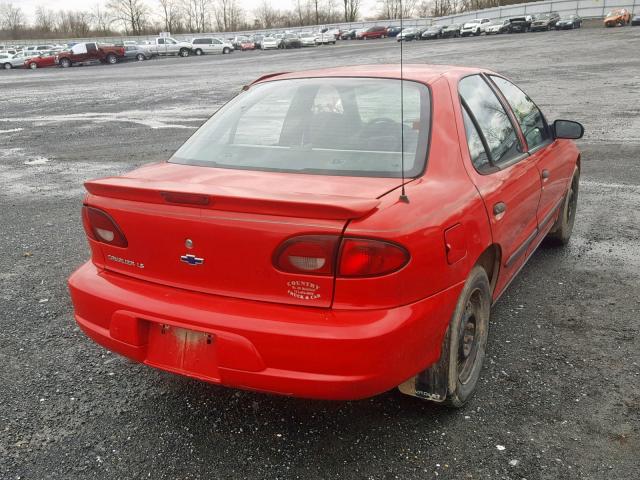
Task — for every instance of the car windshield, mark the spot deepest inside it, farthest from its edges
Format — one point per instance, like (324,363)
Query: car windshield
(330,126)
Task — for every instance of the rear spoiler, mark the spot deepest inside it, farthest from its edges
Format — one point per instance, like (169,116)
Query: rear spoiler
(331,207)
(260,79)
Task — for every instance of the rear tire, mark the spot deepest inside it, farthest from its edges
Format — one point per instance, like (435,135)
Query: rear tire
(452,380)
(467,338)
(561,231)
(33,65)
(140,57)
(7,66)
(226,50)
(112,59)
(198,52)
(65,63)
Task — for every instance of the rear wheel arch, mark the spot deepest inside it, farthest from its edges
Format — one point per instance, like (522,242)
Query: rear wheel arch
(489,260)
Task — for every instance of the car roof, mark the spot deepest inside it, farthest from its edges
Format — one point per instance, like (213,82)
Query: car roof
(416,72)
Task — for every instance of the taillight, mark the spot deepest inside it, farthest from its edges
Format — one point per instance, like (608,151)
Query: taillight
(358,257)
(310,254)
(361,257)
(102,228)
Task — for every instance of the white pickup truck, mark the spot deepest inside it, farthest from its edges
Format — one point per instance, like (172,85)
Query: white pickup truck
(169,46)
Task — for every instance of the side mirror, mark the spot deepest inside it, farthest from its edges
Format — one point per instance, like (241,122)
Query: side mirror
(568,129)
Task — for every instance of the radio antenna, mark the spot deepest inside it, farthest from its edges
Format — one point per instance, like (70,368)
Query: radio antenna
(403,194)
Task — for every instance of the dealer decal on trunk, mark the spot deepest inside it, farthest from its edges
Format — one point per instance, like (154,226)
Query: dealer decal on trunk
(303,290)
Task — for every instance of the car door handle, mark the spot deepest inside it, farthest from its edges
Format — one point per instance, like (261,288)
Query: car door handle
(499,208)
(545,174)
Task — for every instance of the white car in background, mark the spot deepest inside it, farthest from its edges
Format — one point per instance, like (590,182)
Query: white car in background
(270,42)
(475,27)
(34,50)
(325,38)
(308,39)
(8,61)
(204,45)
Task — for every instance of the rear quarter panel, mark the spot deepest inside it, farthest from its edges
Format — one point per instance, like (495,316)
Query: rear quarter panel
(442,198)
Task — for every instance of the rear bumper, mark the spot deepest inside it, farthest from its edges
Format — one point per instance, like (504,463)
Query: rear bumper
(289,350)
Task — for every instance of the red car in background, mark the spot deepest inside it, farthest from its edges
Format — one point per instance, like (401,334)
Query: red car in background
(314,239)
(41,61)
(247,44)
(372,32)
(90,52)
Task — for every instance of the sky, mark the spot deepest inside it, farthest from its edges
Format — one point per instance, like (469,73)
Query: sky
(29,6)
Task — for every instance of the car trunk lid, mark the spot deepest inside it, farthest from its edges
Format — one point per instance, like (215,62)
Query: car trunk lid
(216,230)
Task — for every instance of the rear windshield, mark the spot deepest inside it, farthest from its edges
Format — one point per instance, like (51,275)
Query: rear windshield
(329,126)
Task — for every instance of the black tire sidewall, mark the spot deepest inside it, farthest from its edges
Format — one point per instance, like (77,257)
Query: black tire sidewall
(563,228)
(459,393)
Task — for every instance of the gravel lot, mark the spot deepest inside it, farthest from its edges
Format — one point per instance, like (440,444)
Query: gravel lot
(561,387)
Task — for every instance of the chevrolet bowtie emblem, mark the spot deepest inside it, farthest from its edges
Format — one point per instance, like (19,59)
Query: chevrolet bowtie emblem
(191,259)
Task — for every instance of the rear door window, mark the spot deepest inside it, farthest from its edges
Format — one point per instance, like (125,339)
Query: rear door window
(492,119)
(477,152)
(529,117)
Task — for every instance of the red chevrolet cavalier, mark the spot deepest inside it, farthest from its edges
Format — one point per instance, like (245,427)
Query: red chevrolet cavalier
(315,239)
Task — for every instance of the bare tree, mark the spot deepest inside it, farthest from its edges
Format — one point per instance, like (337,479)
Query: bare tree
(440,8)
(132,13)
(266,15)
(229,15)
(11,18)
(388,9)
(351,10)
(171,15)
(101,19)
(44,19)
(196,14)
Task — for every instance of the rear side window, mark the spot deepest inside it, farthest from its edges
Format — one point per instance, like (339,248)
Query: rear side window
(477,152)
(327,126)
(492,119)
(532,122)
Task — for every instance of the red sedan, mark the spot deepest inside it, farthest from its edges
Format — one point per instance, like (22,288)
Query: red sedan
(41,61)
(313,239)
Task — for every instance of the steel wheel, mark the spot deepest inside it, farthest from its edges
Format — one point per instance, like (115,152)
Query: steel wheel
(468,337)
(33,65)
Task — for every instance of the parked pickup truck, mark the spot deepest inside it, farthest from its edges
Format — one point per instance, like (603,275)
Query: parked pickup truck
(170,46)
(82,53)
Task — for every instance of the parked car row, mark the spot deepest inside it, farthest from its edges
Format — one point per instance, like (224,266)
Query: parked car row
(480,26)
(84,53)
